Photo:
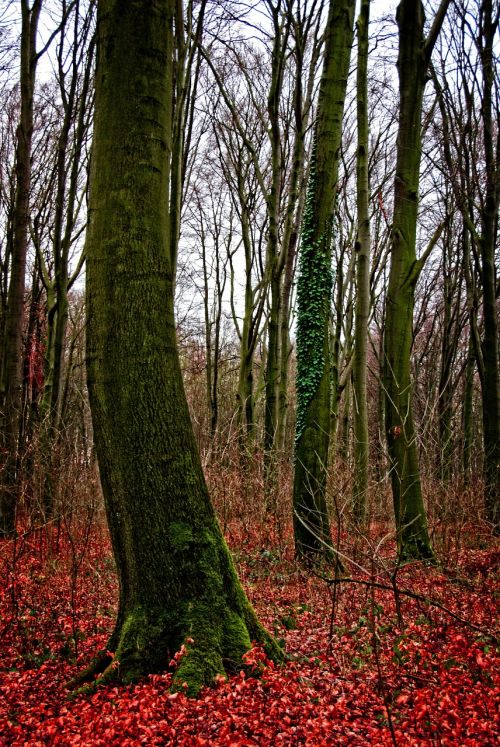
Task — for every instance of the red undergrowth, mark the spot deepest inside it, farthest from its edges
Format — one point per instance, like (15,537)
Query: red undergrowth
(358,676)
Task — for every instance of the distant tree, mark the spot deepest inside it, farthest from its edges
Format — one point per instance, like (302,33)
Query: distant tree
(56,220)
(211,221)
(237,149)
(9,115)
(362,248)
(341,323)
(489,20)
(452,324)
(268,96)
(295,28)
(177,580)
(311,522)
(11,373)
(469,109)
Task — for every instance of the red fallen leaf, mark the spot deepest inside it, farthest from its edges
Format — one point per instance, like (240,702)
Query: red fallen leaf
(402,699)
(445,685)
(481,661)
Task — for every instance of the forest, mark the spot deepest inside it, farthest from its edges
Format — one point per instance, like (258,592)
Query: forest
(249,372)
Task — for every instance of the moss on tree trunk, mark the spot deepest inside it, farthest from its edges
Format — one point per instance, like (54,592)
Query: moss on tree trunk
(176,576)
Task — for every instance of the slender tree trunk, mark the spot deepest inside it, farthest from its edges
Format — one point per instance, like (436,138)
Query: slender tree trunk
(176,577)
(249,333)
(413,64)
(285,344)
(209,361)
(381,456)
(245,394)
(489,221)
(362,247)
(311,522)
(70,147)
(272,376)
(273,261)
(12,371)
(294,214)
(445,429)
(335,361)
(344,434)
(467,412)
(334,383)
(483,242)
(32,385)
(445,387)
(220,286)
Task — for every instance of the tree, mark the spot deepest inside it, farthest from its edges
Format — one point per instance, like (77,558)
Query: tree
(210,220)
(297,29)
(11,362)
(362,247)
(311,524)
(489,227)
(471,150)
(413,64)
(63,222)
(176,577)
(241,174)
(267,89)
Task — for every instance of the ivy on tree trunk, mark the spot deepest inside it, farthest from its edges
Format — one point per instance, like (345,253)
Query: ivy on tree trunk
(314,291)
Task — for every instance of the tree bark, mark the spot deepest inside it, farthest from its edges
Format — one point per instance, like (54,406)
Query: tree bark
(176,577)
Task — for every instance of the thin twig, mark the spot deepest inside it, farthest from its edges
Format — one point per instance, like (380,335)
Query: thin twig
(412,595)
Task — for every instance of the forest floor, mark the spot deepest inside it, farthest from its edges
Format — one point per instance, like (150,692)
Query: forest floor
(357,673)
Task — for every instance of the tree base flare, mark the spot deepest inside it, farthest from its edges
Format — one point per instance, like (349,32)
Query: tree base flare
(209,650)
(413,548)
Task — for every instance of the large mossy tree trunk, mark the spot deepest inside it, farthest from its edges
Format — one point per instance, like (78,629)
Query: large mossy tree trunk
(413,63)
(176,578)
(314,294)
(11,383)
